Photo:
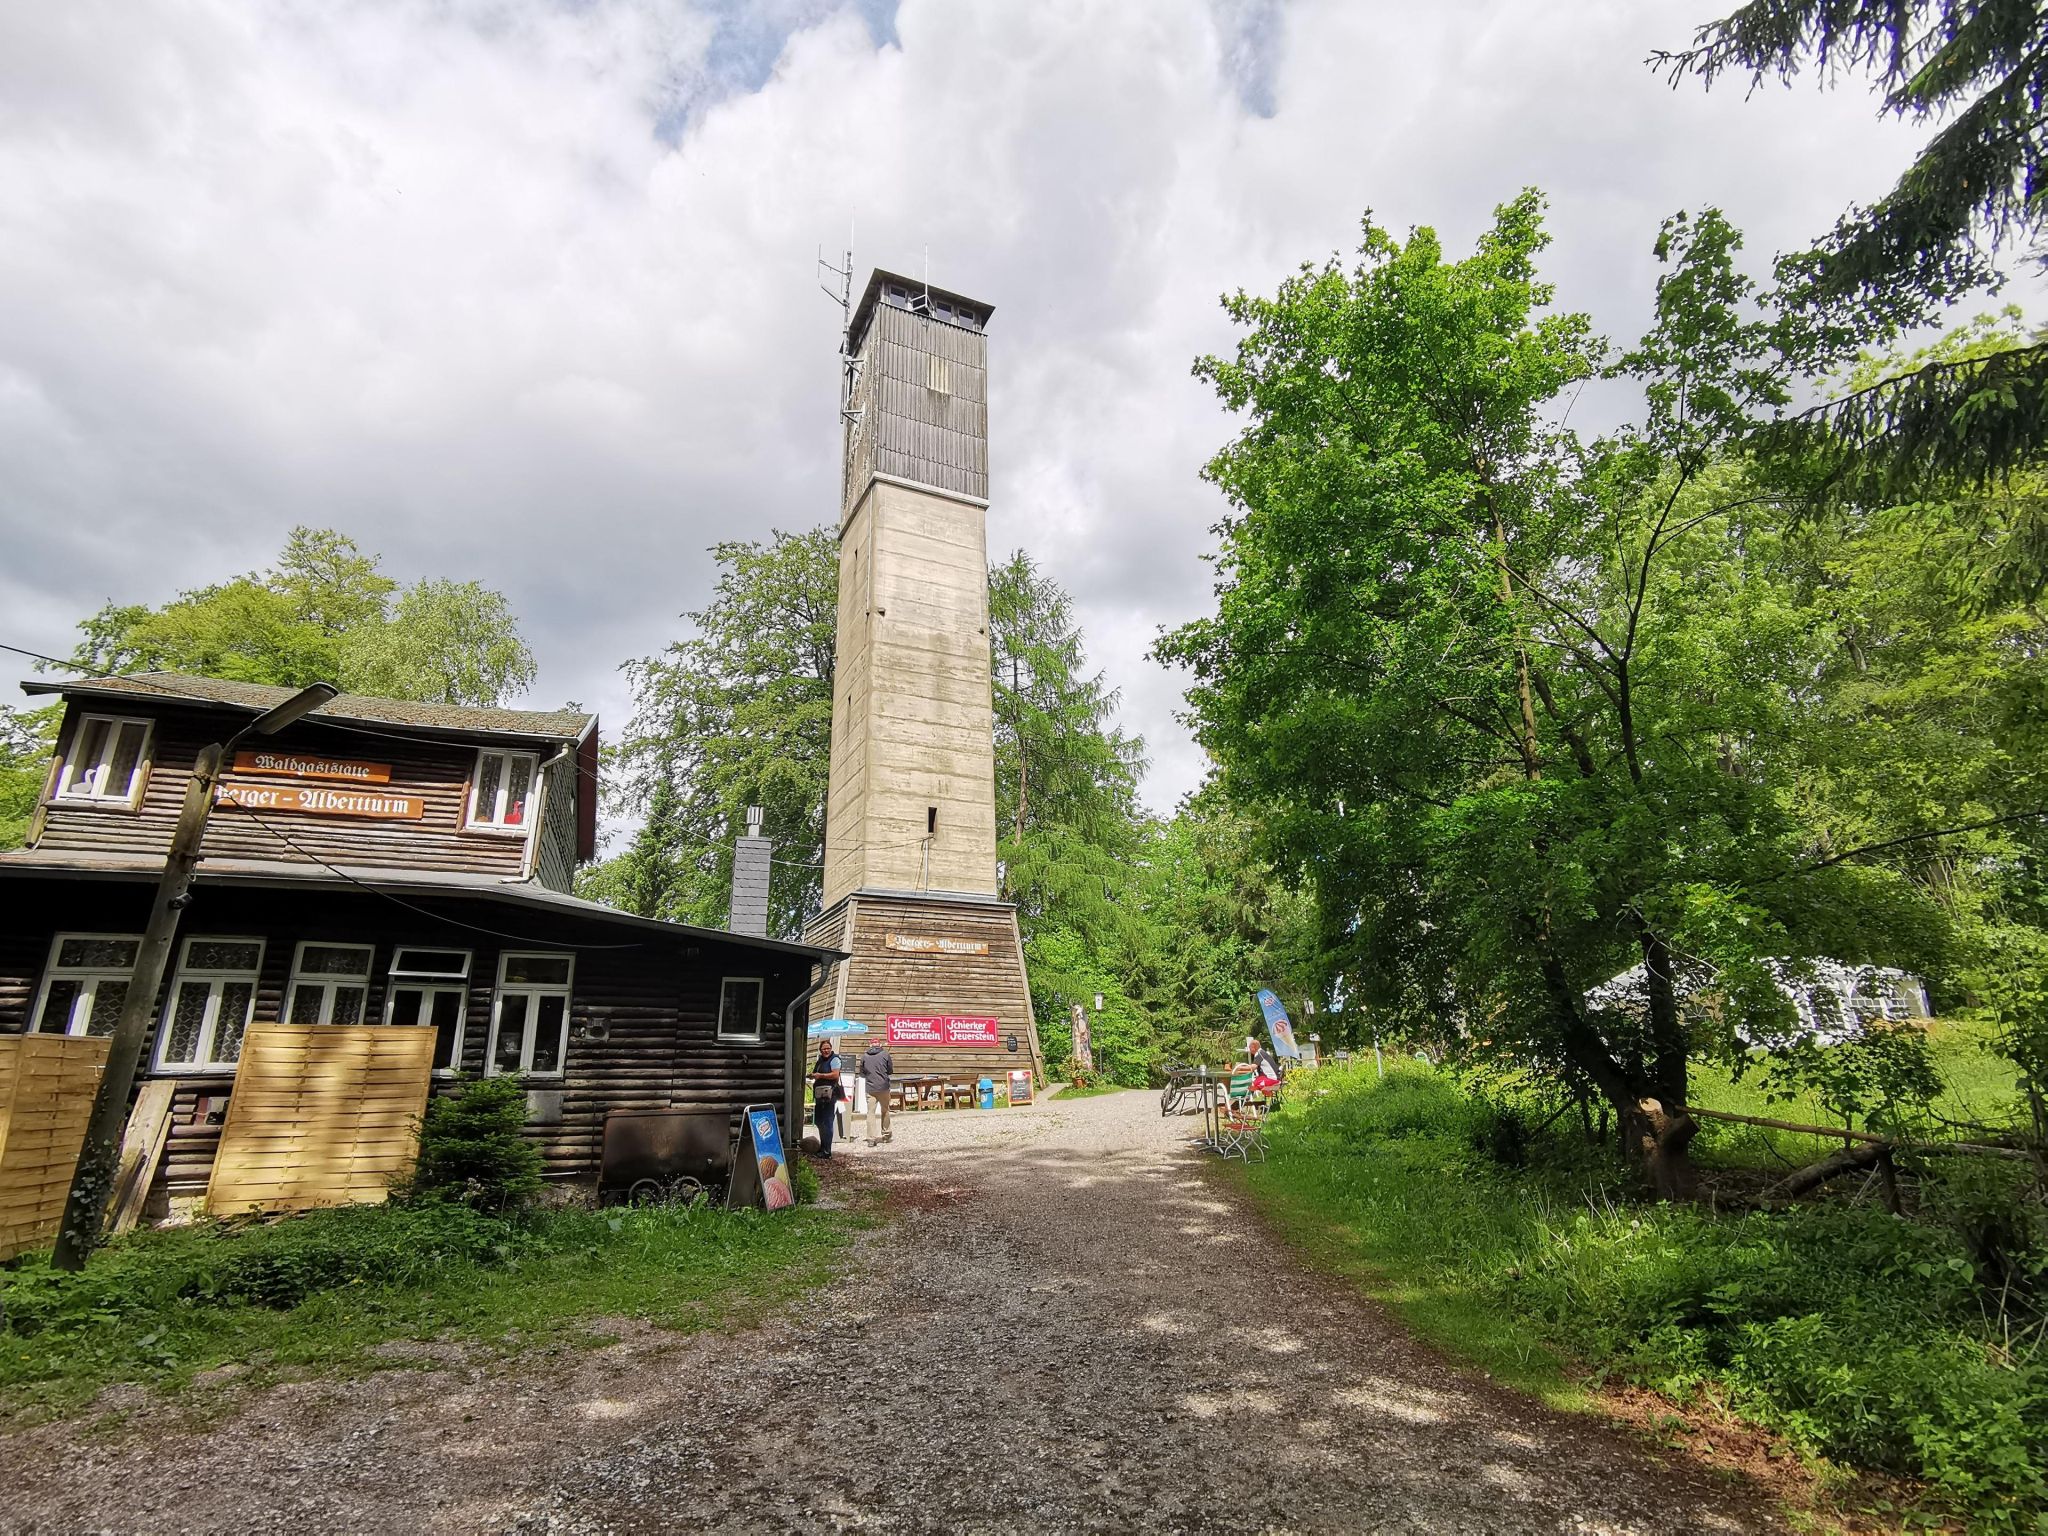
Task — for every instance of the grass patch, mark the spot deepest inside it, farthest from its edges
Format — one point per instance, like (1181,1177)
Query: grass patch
(1857,1336)
(1090,1091)
(1978,1087)
(325,1290)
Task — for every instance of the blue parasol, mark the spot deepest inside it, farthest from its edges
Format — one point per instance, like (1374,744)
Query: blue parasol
(836,1027)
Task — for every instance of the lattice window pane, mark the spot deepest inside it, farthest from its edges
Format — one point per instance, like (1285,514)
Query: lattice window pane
(236,999)
(107,997)
(519,780)
(222,955)
(490,772)
(348,1005)
(306,1000)
(188,1017)
(96,952)
(334,960)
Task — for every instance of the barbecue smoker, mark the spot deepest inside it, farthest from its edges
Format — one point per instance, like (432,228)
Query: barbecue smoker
(656,1156)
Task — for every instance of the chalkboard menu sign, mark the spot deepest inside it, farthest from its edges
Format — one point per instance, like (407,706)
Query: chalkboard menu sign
(1020,1088)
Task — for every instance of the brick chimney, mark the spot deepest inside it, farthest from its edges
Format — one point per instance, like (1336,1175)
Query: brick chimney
(750,855)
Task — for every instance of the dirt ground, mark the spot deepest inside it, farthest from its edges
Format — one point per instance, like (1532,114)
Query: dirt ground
(1066,1327)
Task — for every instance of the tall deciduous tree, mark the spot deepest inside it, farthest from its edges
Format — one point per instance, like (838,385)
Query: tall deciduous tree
(1515,704)
(324,612)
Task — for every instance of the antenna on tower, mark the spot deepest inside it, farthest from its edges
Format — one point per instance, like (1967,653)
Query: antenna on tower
(840,292)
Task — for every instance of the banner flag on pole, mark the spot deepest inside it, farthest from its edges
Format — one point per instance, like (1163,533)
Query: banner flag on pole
(1277,1025)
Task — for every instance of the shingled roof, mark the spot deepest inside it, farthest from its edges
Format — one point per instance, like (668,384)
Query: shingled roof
(184,688)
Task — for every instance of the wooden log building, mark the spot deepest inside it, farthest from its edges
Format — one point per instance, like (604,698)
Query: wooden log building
(378,862)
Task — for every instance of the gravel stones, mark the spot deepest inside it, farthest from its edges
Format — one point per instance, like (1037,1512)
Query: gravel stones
(1068,1324)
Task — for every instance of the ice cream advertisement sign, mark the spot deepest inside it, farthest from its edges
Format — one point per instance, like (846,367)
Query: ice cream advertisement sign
(1277,1025)
(760,1172)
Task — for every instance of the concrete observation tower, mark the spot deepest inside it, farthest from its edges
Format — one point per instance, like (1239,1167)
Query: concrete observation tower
(910,824)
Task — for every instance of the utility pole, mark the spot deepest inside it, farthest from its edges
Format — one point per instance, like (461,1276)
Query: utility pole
(93,1177)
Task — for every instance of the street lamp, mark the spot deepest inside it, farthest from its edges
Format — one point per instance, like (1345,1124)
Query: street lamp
(92,1177)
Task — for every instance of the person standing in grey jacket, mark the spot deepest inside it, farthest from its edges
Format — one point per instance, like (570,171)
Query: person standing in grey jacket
(876,1068)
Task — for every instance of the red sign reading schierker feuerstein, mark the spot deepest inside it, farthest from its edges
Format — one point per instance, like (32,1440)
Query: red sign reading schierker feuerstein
(941,1029)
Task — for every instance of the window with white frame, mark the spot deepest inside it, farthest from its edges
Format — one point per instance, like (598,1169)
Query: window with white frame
(430,988)
(211,999)
(330,984)
(739,1008)
(104,764)
(530,1018)
(85,983)
(501,795)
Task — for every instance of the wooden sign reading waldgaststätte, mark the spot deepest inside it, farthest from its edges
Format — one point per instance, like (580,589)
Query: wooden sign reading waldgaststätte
(322,801)
(923,944)
(294,765)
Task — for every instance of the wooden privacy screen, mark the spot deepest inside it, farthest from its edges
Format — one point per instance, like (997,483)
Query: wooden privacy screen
(321,1114)
(46,1088)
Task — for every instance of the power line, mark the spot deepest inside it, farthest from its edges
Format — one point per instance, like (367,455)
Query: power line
(496,933)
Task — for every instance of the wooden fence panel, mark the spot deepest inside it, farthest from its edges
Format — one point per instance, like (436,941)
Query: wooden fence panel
(320,1115)
(46,1088)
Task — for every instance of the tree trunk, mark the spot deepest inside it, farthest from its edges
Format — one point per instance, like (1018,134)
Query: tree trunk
(1664,1142)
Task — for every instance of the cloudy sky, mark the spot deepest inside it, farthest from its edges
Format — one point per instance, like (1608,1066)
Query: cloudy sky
(524,290)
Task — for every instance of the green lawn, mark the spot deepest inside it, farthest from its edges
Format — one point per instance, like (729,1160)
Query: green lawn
(1978,1088)
(323,1291)
(1093,1090)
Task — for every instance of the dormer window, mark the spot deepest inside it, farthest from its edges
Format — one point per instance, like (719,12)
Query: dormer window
(104,766)
(500,798)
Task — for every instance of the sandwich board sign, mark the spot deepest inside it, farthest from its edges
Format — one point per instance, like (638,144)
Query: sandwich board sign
(760,1168)
(1020,1088)
(1277,1025)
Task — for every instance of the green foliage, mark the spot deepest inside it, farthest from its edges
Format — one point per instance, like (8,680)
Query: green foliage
(324,613)
(1975,190)
(736,714)
(472,1150)
(27,738)
(323,1290)
(1522,710)
(1859,1337)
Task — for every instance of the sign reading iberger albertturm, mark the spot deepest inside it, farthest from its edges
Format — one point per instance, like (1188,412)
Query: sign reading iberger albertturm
(293,765)
(941,1029)
(321,801)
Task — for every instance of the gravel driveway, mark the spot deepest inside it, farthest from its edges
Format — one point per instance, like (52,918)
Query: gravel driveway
(1069,1326)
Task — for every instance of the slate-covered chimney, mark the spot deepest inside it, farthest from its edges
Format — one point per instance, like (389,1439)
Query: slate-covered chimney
(750,856)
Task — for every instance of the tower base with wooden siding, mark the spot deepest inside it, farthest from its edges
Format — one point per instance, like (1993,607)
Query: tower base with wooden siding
(905,979)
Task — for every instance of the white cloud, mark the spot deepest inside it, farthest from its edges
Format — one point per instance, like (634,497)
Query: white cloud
(524,292)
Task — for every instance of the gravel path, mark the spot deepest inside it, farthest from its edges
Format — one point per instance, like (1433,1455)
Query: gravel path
(1069,1327)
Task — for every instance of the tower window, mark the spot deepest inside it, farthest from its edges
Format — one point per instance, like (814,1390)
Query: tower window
(931,820)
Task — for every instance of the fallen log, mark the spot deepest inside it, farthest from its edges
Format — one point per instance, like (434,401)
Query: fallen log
(1863,1155)
(1843,1133)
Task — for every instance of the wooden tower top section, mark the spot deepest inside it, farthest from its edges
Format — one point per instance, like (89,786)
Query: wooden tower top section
(917,399)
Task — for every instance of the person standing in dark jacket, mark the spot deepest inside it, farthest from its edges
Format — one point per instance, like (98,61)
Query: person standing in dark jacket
(825,1093)
(877,1066)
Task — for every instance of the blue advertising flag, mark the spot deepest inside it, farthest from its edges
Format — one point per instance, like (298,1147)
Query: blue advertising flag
(1277,1025)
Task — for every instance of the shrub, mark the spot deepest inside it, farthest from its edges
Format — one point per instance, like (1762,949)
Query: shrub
(473,1150)
(1903,1346)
